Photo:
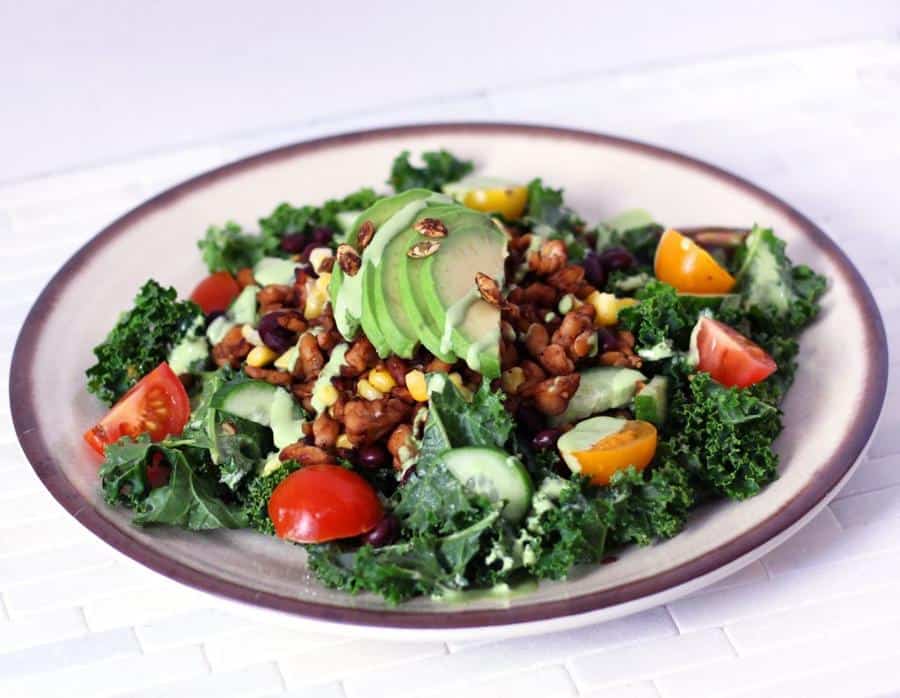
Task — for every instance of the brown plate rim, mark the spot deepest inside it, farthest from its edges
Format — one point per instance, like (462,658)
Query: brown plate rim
(24,406)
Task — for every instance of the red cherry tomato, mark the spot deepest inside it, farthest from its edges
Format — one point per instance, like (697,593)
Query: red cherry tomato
(216,292)
(729,357)
(323,502)
(158,405)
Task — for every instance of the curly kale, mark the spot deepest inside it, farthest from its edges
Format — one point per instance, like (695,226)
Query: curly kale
(722,437)
(423,565)
(568,527)
(648,506)
(287,219)
(140,341)
(549,217)
(256,493)
(441,167)
(229,248)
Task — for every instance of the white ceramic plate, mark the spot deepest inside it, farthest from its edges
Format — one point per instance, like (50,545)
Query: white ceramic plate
(829,414)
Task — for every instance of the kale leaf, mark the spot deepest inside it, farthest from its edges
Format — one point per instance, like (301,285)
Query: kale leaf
(140,341)
(255,497)
(423,565)
(549,217)
(229,248)
(722,436)
(441,167)
(454,422)
(239,447)
(191,499)
(650,505)
(288,219)
(780,298)
(433,501)
(568,529)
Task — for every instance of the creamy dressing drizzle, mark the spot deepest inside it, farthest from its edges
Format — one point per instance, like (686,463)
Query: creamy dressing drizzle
(473,355)
(456,313)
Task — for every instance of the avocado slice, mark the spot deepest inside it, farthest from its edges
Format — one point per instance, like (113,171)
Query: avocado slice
(601,388)
(346,292)
(444,290)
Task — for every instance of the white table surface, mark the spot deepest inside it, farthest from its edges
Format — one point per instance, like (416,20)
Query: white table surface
(802,100)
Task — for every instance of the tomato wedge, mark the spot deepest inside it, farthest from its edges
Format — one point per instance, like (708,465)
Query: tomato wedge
(682,263)
(158,405)
(323,502)
(634,444)
(728,356)
(216,292)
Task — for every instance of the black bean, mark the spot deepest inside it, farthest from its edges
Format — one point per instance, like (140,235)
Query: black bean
(384,533)
(606,340)
(594,272)
(545,439)
(617,259)
(529,419)
(322,235)
(373,456)
(293,243)
(273,335)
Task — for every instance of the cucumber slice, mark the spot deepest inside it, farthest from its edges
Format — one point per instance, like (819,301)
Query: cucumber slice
(249,399)
(651,403)
(494,474)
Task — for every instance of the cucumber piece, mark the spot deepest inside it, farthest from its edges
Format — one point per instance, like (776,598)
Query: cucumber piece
(243,309)
(249,399)
(494,474)
(652,402)
(274,270)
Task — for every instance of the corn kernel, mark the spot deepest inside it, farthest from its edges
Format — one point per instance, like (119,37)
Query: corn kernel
(261,356)
(512,378)
(456,379)
(327,395)
(382,380)
(365,390)
(343,441)
(415,384)
(323,281)
(316,298)
(249,333)
(607,307)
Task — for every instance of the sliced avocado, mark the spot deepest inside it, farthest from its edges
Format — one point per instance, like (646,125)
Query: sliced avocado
(286,419)
(243,308)
(274,270)
(601,388)
(379,327)
(652,401)
(444,291)
(584,435)
(346,292)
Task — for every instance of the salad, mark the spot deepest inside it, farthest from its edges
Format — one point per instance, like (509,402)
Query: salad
(459,385)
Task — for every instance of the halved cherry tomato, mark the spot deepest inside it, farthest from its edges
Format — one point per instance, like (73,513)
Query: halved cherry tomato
(158,405)
(216,292)
(509,201)
(323,502)
(729,357)
(685,265)
(634,445)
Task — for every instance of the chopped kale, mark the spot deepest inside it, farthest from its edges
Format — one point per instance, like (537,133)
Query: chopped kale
(140,341)
(441,167)
(229,248)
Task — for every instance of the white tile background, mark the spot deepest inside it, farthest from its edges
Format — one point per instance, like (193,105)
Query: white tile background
(105,104)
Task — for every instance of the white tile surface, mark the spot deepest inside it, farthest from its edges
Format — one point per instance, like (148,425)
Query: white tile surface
(802,99)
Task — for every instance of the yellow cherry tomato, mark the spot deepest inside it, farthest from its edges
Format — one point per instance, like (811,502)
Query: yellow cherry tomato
(685,265)
(634,445)
(509,201)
